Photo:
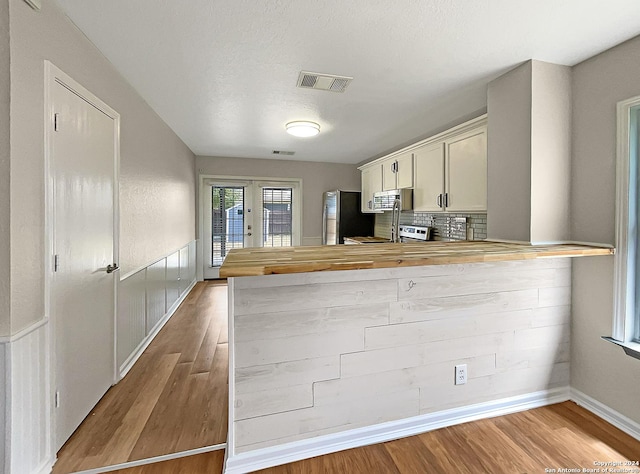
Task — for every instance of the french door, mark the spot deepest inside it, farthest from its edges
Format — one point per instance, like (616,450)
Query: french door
(228,220)
(243,214)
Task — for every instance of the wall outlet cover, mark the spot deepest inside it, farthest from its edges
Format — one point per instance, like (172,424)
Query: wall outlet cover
(461,374)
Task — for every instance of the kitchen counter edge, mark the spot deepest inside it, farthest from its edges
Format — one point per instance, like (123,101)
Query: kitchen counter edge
(289,260)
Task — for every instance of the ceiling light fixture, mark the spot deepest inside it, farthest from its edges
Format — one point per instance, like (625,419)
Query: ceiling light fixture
(303,129)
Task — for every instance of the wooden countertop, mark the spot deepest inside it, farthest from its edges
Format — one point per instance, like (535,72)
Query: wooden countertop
(269,261)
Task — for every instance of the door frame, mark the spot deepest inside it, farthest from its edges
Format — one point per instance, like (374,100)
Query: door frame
(52,76)
(202,202)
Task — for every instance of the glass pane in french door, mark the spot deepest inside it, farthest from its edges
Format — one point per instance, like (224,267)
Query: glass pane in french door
(227,221)
(277,217)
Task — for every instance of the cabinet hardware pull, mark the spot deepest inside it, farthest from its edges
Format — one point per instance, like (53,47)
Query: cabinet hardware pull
(439,200)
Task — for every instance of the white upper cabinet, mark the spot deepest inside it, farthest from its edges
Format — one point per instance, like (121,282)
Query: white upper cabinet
(371,183)
(429,174)
(448,172)
(451,173)
(397,172)
(389,174)
(466,172)
(404,171)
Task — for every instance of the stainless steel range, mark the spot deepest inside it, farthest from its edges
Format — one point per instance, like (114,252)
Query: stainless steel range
(414,233)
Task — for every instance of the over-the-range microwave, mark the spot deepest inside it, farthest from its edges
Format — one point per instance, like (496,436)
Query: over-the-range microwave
(383,200)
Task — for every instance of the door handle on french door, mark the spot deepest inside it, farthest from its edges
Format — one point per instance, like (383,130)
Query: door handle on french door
(112,268)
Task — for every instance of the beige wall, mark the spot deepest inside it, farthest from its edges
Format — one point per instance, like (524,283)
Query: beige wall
(550,152)
(529,146)
(157,186)
(509,152)
(316,179)
(5,322)
(599,369)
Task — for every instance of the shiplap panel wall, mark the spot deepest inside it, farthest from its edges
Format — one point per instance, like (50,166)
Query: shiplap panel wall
(325,352)
(147,298)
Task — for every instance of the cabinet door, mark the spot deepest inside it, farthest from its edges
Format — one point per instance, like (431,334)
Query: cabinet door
(366,196)
(371,183)
(376,179)
(388,175)
(404,171)
(429,177)
(466,171)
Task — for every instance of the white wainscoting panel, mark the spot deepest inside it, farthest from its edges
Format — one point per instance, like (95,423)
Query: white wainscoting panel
(173,279)
(192,275)
(29,445)
(183,279)
(147,299)
(5,383)
(132,318)
(383,345)
(156,299)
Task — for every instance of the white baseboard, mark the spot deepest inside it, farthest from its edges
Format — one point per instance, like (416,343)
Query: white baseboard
(295,451)
(601,410)
(133,358)
(153,460)
(46,466)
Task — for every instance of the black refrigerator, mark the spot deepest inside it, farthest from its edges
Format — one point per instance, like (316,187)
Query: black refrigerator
(341,217)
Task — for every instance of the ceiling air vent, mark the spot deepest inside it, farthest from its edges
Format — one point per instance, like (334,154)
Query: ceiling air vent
(282,152)
(323,82)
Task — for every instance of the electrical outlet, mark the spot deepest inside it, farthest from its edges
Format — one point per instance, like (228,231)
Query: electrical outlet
(461,374)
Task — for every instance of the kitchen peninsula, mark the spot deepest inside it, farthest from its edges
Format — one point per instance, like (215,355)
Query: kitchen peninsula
(337,346)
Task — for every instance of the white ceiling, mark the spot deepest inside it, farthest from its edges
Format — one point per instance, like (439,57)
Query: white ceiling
(222,73)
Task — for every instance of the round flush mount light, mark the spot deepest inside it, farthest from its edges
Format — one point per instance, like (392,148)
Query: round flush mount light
(303,129)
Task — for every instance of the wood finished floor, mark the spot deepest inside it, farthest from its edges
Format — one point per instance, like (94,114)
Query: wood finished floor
(558,436)
(174,398)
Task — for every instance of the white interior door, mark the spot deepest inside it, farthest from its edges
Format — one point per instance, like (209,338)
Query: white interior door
(83,158)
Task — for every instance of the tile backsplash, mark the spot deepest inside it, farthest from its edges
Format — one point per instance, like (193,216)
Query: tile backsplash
(382,226)
(458,226)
